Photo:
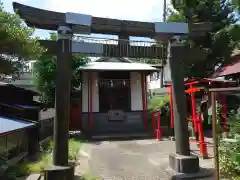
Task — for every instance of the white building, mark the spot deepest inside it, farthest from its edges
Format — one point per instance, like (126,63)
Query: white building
(154,79)
(26,78)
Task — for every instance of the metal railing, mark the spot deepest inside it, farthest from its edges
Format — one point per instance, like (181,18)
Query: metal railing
(148,51)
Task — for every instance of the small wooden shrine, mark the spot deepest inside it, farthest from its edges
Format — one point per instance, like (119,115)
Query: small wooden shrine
(114,95)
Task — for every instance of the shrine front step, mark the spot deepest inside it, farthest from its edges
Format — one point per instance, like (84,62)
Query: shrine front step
(122,136)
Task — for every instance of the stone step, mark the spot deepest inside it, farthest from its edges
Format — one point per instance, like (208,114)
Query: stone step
(121,136)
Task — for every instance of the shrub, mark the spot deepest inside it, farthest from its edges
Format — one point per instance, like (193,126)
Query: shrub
(229,152)
(161,105)
(44,160)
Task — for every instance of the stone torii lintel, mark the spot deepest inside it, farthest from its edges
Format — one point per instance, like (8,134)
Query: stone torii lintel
(87,24)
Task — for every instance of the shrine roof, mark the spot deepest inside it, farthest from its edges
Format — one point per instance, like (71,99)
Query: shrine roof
(204,81)
(117,66)
(230,69)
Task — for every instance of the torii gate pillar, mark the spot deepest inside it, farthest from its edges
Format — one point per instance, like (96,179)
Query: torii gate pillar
(182,161)
(61,169)
(62,96)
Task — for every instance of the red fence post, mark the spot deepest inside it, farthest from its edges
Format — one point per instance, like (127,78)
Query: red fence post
(203,146)
(153,124)
(159,130)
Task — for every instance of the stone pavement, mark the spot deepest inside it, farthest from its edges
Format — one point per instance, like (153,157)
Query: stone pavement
(129,160)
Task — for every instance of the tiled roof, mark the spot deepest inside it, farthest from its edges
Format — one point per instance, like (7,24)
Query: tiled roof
(233,68)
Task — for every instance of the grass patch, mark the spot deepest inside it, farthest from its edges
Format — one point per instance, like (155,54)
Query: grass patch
(44,159)
(86,177)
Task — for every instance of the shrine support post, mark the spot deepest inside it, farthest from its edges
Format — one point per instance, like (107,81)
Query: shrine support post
(90,82)
(144,99)
(62,97)
(182,161)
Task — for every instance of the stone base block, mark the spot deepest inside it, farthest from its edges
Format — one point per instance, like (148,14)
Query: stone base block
(184,164)
(59,173)
(202,174)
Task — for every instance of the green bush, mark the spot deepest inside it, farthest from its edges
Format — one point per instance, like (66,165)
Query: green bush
(161,105)
(229,151)
(44,160)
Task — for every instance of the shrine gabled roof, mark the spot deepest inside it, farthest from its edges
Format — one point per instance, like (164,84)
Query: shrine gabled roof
(230,69)
(117,66)
(203,80)
(114,59)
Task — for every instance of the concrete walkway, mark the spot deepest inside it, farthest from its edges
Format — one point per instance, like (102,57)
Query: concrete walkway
(129,160)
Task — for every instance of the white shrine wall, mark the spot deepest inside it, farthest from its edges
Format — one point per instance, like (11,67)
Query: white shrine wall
(135,86)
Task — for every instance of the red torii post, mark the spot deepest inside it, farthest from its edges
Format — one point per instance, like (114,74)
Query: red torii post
(197,121)
(191,91)
(195,117)
(171,107)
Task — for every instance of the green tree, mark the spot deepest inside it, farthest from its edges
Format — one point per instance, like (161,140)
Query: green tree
(220,41)
(16,43)
(45,70)
(236,5)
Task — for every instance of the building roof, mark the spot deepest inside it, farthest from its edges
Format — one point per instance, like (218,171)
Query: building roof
(230,69)
(117,66)
(114,59)
(203,80)
(8,125)
(9,85)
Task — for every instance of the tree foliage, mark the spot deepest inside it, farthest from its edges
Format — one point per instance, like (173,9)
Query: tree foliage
(220,41)
(45,71)
(236,5)
(16,42)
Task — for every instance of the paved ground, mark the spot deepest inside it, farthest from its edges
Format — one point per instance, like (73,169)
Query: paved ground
(129,160)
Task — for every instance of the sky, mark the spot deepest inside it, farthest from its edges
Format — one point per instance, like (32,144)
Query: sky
(139,10)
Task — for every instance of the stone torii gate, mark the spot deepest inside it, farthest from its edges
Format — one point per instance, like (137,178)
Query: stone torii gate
(66,24)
